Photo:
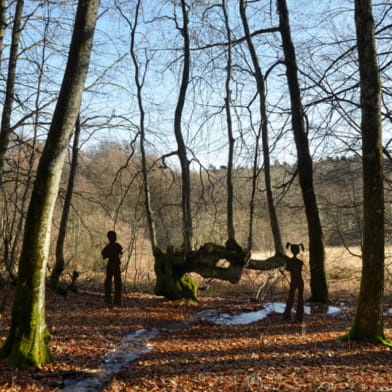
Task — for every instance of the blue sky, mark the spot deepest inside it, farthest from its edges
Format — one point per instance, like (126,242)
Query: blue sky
(321,31)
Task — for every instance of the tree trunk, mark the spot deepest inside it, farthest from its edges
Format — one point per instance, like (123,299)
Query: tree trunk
(368,324)
(185,173)
(229,174)
(10,87)
(17,234)
(28,340)
(3,25)
(139,86)
(318,281)
(264,134)
(60,262)
(171,280)
(171,268)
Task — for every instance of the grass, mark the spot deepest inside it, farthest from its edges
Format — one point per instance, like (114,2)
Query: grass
(343,269)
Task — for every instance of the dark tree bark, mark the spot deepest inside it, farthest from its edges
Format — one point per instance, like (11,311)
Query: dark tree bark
(171,280)
(182,154)
(28,340)
(3,25)
(60,261)
(203,261)
(318,281)
(139,86)
(229,174)
(368,324)
(264,133)
(10,86)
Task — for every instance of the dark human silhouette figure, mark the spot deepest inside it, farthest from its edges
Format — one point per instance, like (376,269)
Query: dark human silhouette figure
(294,265)
(112,251)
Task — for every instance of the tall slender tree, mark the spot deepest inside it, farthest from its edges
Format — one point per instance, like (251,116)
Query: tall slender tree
(172,280)
(259,77)
(318,281)
(28,340)
(368,323)
(229,122)
(181,147)
(60,260)
(3,24)
(139,81)
(5,130)
(139,78)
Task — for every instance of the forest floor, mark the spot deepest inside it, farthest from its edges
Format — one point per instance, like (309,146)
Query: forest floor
(177,351)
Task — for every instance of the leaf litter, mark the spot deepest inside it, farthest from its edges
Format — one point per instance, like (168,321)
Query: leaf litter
(151,344)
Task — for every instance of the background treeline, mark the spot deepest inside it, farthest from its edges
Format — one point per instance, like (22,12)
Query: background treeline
(108,194)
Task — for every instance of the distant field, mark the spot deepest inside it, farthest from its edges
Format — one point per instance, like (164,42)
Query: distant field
(339,260)
(343,268)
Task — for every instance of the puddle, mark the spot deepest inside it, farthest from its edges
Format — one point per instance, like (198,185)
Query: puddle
(240,319)
(322,309)
(333,310)
(227,319)
(129,348)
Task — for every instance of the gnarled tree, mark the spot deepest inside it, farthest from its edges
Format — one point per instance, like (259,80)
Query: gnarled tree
(173,263)
(171,266)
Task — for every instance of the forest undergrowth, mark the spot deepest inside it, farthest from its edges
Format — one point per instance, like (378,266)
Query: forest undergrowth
(194,354)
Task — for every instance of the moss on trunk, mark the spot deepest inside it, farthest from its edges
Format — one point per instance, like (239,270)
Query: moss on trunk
(28,339)
(171,268)
(171,279)
(27,350)
(27,343)
(355,334)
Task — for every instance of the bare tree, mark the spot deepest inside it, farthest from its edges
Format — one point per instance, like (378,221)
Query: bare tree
(229,174)
(3,24)
(170,283)
(318,282)
(368,324)
(5,130)
(139,78)
(139,85)
(28,340)
(60,260)
(182,154)
(258,75)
